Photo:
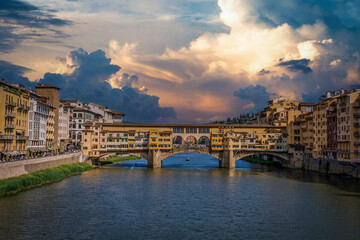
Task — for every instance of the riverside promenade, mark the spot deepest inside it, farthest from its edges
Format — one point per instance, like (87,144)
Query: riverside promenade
(20,167)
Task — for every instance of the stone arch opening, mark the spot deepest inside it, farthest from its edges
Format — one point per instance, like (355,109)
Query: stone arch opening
(190,159)
(204,141)
(190,140)
(263,157)
(178,140)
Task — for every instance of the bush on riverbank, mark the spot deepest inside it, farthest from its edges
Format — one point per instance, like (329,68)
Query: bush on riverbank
(17,184)
(120,159)
(257,160)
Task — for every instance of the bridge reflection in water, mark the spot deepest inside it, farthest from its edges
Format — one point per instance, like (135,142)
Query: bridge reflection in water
(226,158)
(196,160)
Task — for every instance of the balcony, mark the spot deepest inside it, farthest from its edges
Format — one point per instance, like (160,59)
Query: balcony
(20,106)
(10,115)
(357,143)
(22,138)
(7,137)
(10,103)
(356,105)
(10,126)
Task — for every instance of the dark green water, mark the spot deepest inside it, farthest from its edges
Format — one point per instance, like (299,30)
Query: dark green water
(196,201)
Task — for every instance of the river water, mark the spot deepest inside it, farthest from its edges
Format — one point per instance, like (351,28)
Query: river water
(186,200)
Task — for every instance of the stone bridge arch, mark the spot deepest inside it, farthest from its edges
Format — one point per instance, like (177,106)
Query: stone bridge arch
(227,158)
(154,158)
(281,157)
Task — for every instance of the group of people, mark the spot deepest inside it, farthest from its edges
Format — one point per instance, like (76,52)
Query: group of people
(38,155)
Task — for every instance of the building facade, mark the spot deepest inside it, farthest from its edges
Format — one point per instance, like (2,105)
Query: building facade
(14,108)
(38,117)
(52,93)
(64,123)
(98,138)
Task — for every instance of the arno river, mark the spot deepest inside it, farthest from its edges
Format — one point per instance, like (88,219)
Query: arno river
(186,200)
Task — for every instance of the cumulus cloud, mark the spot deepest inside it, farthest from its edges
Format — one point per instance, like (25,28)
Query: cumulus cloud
(305,36)
(126,80)
(195,60)
(85,76)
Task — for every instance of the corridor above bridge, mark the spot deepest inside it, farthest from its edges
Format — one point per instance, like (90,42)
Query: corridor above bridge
(99,139)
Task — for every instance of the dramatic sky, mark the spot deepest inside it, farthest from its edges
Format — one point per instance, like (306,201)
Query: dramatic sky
(182,61)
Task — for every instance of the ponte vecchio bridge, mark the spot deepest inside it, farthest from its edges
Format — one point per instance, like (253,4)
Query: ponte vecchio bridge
(155,142)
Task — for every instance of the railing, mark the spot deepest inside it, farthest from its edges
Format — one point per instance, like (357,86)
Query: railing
(356,105)
(7,137)
(20,106)
(10,115)
(10,103)
(22,138)
(10,126)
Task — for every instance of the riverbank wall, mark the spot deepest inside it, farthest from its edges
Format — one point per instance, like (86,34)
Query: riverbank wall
(17,168)
(332,166)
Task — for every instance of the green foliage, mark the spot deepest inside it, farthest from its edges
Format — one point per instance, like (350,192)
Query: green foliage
(241,119)
(120,159)
(16,184)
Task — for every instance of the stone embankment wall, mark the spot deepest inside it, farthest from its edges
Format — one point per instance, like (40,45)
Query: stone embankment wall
(17,168)
(330,166)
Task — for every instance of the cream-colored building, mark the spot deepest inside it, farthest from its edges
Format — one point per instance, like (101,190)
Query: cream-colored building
(64,122)
(38,114)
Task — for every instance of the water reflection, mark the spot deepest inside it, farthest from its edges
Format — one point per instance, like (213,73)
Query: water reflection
(204,162)
(133,202)
(188,160)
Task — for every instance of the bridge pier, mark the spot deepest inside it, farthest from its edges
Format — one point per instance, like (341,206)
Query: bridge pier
(154,159)
(227,159)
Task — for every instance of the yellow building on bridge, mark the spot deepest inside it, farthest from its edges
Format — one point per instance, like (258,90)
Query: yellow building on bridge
(99,139)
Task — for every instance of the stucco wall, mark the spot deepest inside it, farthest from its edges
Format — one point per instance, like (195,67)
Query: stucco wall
(17,168)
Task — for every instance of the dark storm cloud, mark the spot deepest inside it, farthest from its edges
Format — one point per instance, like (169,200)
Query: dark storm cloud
(297,65)
(14,74)
(257,94)
(18,15)
(297,13)
(88,83)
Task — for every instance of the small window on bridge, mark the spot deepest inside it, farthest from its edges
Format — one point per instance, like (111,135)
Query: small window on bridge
(204,130)
(191,130)
(178,130)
